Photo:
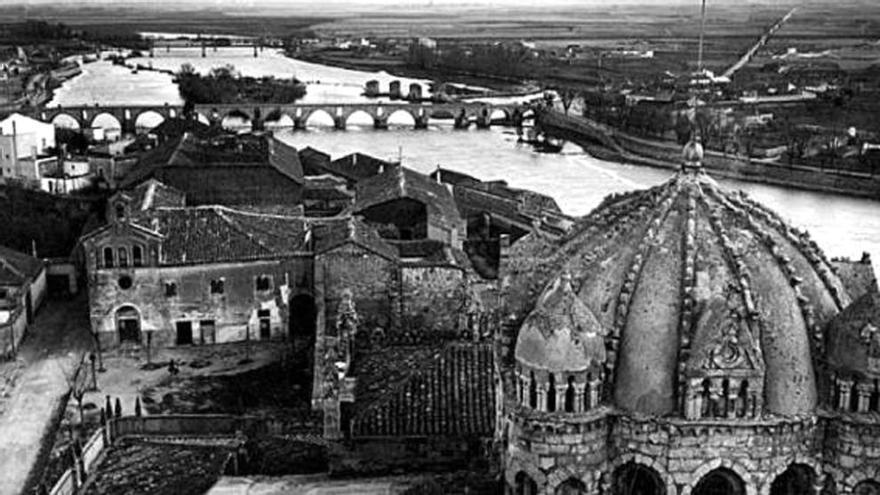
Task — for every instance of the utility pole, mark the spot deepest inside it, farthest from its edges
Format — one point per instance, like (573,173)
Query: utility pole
(702,29)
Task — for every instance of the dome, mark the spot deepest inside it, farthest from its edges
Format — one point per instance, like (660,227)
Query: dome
(561,334)
(854,339)
(689,279)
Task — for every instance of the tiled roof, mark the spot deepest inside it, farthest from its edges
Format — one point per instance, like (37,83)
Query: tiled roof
(451,392)
(337,232)
(16,267)
(176,127)
(401,182)
(188,151)
(213,234)
(358,166)
(314,162)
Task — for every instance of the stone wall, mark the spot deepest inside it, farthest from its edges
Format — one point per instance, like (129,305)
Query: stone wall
(852,451)
(415,454)
(234,312)
(371,278)
(433,299)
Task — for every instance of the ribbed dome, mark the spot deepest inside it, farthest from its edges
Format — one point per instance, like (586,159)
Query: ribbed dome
(854,339)
(687,277)
(561,334)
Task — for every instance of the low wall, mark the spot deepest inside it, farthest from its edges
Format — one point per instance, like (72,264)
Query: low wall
(185,424)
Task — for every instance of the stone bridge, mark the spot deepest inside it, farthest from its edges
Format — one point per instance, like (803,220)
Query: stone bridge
(462,113)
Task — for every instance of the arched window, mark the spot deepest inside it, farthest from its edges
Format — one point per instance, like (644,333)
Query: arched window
(533,391)
(108,257)
(123,257)
(551,393)
(637,479)
(795,480)
(571,486)
(721,481)
(137,256)
(569,395)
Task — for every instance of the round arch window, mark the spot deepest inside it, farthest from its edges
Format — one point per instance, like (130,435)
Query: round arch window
(125,282)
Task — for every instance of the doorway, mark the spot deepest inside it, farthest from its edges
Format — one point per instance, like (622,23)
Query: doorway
(128,324)
(184,333)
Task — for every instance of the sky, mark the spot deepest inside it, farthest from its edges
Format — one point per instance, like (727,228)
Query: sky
(368,3)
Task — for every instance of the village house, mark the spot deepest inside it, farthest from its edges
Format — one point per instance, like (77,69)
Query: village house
(22,290)
(224,170)
(24,147)
(162,273)
(407,205)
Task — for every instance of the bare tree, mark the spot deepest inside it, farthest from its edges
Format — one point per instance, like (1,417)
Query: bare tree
(78,383)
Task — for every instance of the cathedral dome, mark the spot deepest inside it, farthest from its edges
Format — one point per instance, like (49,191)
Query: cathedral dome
(689,281)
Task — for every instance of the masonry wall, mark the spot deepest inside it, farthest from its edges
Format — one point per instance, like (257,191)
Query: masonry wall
(372,280)
(852,451)
(235,312)
(434,301)
(416,454)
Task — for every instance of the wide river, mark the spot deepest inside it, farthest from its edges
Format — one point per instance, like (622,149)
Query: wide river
(843,226)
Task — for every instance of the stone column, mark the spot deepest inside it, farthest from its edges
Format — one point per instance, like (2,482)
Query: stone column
(694,399)
(527,390)
(579,397)
(542,397)
(844,388)
(595,391)
(864,391)
(732,397)
(716,393)
(561,396)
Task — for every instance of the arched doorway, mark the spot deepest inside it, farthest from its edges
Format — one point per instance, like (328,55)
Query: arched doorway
(525,485)
(720,481)
(796,480)
(571,486)
(868,487)
(637,479)
(128,324)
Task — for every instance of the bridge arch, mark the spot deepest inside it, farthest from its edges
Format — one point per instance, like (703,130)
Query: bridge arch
(278,120)
(64,120)
(403,117)
(105,120)
(321,117)
(360,117)
(236,120)
(147,120)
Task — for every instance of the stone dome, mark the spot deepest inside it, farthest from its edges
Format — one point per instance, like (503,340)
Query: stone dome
(561,334)
(854,339)
(688,280)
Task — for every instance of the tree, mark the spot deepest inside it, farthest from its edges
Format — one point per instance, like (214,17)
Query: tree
(567,95)
(78,383)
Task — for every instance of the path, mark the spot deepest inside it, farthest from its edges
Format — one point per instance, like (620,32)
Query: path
(58,336)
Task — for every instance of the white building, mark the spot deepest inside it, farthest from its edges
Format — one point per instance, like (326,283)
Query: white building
(30,136)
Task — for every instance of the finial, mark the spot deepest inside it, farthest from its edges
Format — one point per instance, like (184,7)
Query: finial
(692,154)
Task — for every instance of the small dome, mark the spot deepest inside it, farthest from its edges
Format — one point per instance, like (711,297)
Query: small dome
(561,334)
(854,339)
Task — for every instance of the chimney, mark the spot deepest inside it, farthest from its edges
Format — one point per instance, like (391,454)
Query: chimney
(439,180)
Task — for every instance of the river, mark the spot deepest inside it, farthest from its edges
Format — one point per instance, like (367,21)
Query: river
(842,226)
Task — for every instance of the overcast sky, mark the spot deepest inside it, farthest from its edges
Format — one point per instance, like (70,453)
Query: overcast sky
(311,4)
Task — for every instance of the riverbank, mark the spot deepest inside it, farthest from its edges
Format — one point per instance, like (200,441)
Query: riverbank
(608,143)
(398,67)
